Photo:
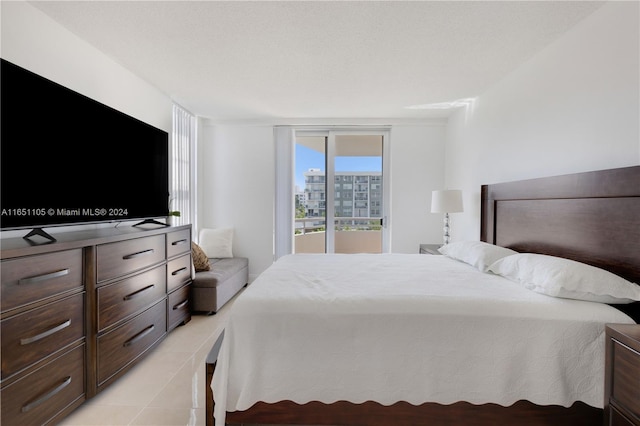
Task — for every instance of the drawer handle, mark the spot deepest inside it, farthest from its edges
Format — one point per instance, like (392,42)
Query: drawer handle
(139,336)
(47,395)
(177,271)
(138,254)
(181,305)
(44,277)
(137,293)
(179,242)
(47,333)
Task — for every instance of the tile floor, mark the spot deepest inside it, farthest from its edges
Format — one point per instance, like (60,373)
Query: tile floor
(166,388)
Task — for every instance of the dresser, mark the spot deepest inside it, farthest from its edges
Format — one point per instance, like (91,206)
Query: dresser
(622,375)
(77,314)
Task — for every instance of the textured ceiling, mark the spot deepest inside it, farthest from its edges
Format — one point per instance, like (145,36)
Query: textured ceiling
(240,60)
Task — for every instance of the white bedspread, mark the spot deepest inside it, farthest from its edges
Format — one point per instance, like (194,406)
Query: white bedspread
(415,328)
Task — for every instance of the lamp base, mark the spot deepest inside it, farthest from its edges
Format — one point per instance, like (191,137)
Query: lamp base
(446,229)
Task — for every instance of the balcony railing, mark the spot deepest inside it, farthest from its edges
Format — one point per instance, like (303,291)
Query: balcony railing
(313,224)
(352,235)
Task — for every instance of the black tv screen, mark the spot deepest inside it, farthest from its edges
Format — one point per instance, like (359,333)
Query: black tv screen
(67,159)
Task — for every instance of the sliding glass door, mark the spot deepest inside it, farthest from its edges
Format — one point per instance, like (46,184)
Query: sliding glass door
(340,192)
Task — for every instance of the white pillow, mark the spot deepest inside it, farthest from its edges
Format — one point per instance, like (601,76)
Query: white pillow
(559,277)
(217,243)
(475,253)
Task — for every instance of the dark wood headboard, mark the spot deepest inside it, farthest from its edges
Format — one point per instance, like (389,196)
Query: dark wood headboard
(591,217)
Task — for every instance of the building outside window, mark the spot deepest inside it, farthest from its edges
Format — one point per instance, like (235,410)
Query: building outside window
(350,201)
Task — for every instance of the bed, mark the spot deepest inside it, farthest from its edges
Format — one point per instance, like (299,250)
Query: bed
(442,339)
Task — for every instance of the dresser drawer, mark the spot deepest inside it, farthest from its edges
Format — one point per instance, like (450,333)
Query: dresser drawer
(119,347)
(124,298)
(121,258)
(32,278)
(178,242)
(626,378)
(33,335)
(179,306)
(38,397)
(178,272)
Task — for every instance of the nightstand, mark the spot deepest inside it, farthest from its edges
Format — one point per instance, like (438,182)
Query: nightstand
(622,375)
(430,248)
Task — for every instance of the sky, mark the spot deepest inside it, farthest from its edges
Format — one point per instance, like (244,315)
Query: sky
(307,158)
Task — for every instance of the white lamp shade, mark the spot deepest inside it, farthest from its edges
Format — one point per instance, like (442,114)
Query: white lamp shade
(446,201)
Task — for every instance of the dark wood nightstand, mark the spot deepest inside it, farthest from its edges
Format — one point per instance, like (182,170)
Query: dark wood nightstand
(622,375)
(430,248)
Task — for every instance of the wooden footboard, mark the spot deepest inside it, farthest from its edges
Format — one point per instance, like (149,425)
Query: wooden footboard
(210,365)
(344,413)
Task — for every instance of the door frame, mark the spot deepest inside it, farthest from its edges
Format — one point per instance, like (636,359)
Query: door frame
(330,135)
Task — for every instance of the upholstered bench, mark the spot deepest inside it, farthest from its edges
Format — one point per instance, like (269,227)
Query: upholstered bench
(219,275)
(213,288)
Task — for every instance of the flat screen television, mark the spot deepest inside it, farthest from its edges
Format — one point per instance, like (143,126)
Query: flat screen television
(67,159)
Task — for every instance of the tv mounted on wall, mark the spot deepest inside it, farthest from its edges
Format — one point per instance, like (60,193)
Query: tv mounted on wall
(67,159)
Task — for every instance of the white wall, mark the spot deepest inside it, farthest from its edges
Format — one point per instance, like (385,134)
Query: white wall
(237,186)
(417,168)
(573,107)
(236,182)
(33,41)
